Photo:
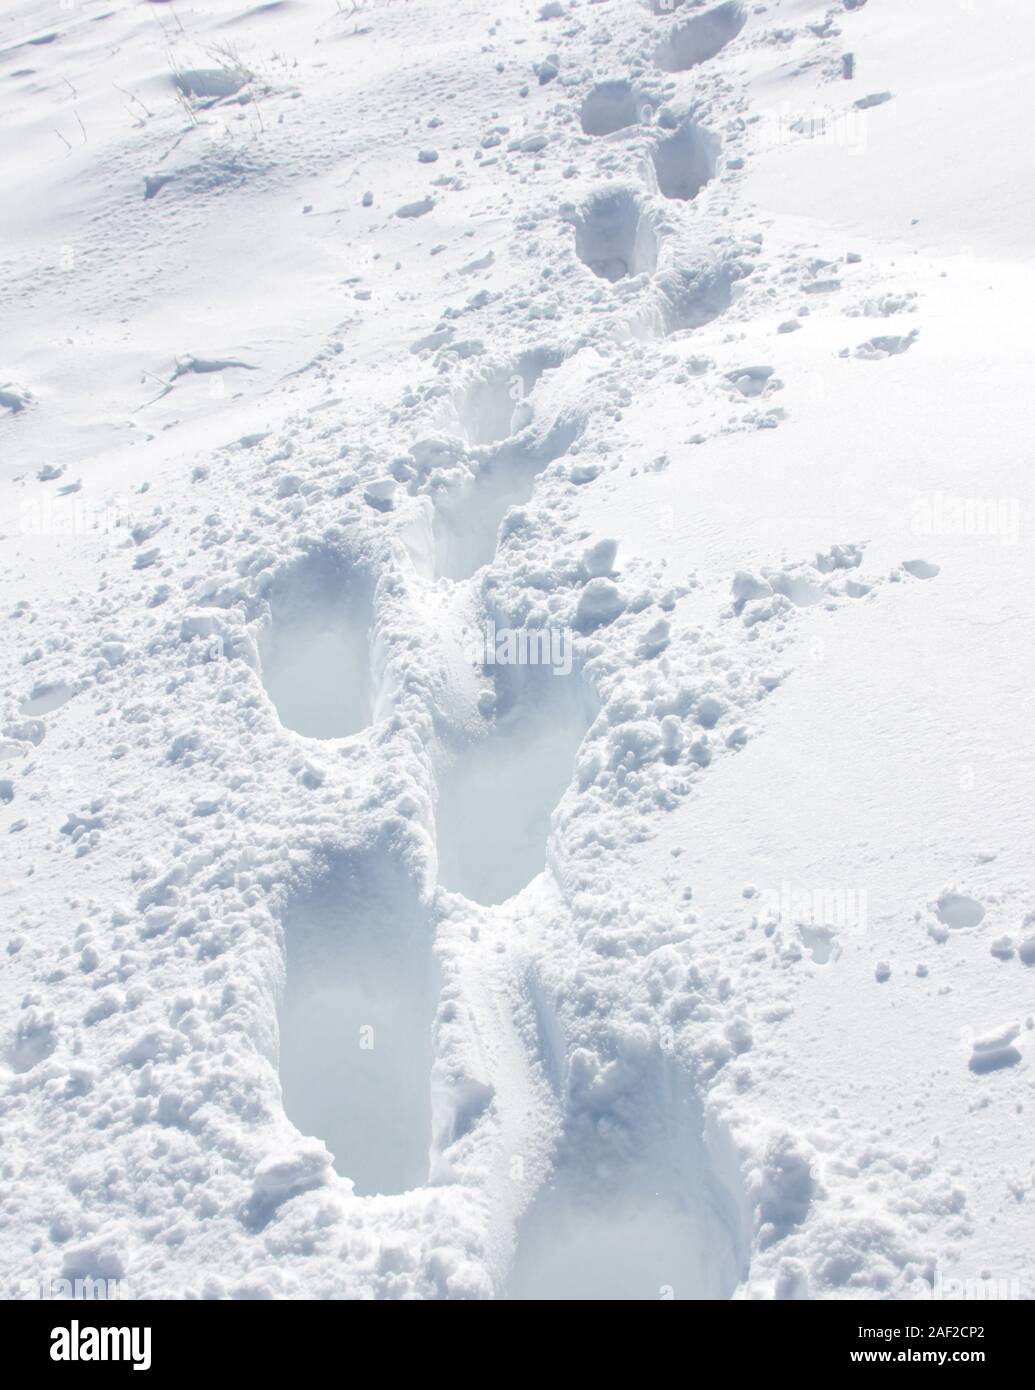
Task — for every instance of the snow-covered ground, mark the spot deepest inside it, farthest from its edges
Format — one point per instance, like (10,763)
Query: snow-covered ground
(515,730)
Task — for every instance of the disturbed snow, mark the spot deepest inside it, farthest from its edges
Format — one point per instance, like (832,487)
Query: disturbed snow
(341,961)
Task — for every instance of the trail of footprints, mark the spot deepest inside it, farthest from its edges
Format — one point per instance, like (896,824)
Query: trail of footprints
(616,236)
(362,983)
(359,941)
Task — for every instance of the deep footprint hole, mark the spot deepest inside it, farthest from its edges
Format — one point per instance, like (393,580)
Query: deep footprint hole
(497,413)
(614,238)
(497,404)
(700,38)
(658,1224)
(686,161)
(693,296)
(314,651)
(497,795)
(355,1018)
(611,106)
(467,518)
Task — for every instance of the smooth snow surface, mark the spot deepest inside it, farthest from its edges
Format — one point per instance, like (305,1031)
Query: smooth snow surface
(516,641)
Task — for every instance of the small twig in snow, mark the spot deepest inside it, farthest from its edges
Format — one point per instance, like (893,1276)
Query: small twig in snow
(132,98)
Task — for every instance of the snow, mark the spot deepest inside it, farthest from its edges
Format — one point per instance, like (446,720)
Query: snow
(515,557)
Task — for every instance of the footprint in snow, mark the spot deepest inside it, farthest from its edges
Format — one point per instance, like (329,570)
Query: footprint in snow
(314,646)
(700,38)
(610,106)
(686,161)
(614,236)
